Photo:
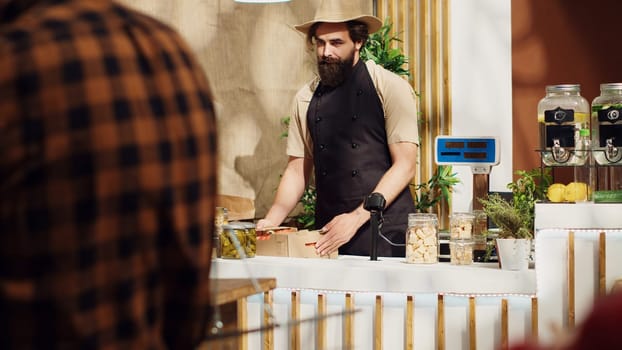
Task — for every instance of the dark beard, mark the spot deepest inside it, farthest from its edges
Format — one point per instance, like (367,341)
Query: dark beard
(333,71)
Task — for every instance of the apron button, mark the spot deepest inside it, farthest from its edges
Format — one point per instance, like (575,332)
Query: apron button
(354,173)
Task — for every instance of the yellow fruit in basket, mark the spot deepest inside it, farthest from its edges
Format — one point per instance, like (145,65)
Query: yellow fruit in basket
(555,193)
(575,191)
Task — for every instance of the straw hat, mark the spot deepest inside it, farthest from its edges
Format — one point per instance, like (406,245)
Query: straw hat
(338,11)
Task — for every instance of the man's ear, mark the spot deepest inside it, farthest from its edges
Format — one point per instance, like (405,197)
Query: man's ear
(358,45)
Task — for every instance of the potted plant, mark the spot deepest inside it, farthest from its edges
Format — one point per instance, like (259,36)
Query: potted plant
(515,218)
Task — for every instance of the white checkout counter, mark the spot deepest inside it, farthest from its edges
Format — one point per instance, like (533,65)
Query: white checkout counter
(394,280)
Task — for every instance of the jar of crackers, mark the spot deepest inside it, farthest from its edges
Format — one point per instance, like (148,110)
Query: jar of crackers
(461,238)
(422,239)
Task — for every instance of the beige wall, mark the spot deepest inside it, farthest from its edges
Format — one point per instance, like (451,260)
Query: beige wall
(255,62)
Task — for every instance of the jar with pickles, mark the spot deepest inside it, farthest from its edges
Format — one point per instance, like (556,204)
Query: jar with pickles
(238,240)
(562,113)
(422,245)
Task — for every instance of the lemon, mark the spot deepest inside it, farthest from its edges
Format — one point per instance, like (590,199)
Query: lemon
(575,191)
(555,192)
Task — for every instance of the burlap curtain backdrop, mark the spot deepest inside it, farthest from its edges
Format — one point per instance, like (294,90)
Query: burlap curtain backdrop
(255,62)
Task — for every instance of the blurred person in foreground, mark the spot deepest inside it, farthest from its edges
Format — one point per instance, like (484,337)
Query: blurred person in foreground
(356,125)
(599,330)
(107,180)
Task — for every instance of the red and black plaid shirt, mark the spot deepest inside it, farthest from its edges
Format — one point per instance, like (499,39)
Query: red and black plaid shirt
(107,180)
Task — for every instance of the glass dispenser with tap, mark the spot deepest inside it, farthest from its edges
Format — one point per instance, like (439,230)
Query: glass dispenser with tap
(607,135)
(562,113)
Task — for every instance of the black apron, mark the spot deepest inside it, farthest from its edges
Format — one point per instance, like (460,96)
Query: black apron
(350,155)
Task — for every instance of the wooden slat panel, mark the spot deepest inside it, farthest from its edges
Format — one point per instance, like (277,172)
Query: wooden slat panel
(242,323)
(602,264)
(378,324)
(504,324)
(440,326)
(268,340)
(349,323)
(534,319)
(321,323)
(411,43)
(423,25)
(472,325)
(446,129)
(571,279)
(294,334)
(409,324)
(401,24)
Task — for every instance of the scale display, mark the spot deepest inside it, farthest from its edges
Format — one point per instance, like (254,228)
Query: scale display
(460,150)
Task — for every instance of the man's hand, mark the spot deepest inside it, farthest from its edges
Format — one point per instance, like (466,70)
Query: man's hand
(340,230)
(263,223)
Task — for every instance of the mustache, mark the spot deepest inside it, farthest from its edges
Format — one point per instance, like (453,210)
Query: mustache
(329,60)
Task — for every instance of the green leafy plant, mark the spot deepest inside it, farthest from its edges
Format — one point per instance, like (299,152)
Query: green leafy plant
(437,189)
(379,49)
(306,219)
(515,218)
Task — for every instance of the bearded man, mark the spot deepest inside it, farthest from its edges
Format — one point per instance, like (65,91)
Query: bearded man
(356,126)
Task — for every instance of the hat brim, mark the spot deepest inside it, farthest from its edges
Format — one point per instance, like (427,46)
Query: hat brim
(373,23)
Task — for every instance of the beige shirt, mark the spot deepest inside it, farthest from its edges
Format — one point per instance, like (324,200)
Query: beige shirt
(398,102)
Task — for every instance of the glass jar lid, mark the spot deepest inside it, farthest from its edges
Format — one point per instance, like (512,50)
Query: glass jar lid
(610,86)
(564,88)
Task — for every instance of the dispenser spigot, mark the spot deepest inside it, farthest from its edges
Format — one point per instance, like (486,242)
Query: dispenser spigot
(611,151)
(559,153)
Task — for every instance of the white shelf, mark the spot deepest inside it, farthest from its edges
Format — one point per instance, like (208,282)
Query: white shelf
(578,215)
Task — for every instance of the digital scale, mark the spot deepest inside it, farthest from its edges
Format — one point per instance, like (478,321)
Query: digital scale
(481,153)
(478,152)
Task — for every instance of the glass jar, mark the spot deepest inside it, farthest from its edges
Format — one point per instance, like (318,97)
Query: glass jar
(221,218)
(238,241)
(422,239)
(561,114)
(607,135)
(251,239)
(461,226)
(461,252)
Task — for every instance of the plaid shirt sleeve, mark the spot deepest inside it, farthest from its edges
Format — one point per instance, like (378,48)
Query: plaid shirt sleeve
(107,181)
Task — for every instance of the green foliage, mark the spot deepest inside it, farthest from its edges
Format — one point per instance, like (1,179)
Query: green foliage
(530,187)
(378,48)
(306,218)
(515,218)
(511,220)
(438,188)
(285,122)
